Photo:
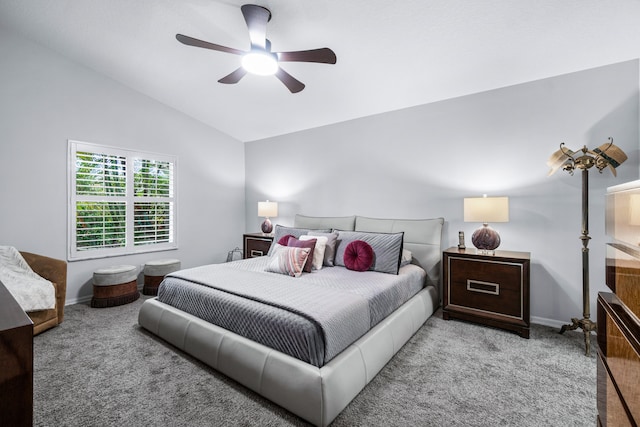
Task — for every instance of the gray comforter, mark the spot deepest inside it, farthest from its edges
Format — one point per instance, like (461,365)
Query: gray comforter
(313,317)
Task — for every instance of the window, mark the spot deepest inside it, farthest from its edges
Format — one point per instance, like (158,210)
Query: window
(121,201)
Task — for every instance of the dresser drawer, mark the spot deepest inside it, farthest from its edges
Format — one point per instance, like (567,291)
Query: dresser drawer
(611,410)
(488,286)
(619,343)
(623,275)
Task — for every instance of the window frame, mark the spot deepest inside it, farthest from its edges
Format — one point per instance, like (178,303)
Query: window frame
(130,248)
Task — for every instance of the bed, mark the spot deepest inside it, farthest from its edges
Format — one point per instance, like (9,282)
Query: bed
(316,384)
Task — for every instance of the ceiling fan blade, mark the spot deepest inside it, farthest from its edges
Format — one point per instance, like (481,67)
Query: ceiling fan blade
(256,18)
(289,81)
(201,43)
(233,77)
(323,55)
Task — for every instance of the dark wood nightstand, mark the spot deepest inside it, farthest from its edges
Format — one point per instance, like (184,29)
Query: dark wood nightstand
(256,244)
(491,290)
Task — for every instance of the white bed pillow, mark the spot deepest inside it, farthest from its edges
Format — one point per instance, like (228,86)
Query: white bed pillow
(407,257)
(330,247)
(318,253)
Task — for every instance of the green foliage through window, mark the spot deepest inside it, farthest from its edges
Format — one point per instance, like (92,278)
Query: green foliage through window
(151,178)
(100,224)
(100,174)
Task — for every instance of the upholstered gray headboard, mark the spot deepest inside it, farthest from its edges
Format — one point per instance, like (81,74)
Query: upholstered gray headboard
(347,223)
(421,236)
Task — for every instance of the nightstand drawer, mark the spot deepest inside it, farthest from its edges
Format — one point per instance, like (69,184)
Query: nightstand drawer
(487,286)
(256,244)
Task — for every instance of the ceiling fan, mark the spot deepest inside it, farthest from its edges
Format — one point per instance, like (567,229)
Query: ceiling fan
(260,60)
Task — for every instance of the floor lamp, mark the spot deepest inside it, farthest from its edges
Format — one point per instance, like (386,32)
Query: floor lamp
(606,155)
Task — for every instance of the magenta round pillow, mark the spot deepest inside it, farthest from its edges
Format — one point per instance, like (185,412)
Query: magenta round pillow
(358,256)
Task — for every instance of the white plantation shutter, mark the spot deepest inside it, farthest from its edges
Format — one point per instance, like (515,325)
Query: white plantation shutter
(121,201)
(100,225)
(153,222)
(99,174)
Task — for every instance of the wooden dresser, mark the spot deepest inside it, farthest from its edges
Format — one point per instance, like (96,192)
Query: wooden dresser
(619,311)
(16,363)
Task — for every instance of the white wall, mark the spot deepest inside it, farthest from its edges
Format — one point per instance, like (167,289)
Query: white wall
(46,100)
(421,162)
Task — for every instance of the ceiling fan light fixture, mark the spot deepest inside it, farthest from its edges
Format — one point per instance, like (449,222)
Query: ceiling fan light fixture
(260,63)
(260,59)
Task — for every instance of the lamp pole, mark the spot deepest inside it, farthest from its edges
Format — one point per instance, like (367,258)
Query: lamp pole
(605,156)
(586,324)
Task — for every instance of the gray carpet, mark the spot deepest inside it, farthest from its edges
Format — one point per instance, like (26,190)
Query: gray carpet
(99,368)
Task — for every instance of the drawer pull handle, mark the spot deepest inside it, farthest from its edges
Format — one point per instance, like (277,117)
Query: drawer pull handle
(483,287)
(255,253)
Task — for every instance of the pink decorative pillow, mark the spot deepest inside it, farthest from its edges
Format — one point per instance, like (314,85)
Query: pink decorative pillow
(288,261)
(358,256)
(284,240)
(311,244)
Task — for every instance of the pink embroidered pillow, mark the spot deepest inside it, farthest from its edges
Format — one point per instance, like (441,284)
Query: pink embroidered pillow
(311,244)
(284,240)
(358,256)
(288,261)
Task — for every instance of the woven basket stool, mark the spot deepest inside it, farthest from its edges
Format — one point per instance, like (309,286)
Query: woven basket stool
(154,272)
(116,285)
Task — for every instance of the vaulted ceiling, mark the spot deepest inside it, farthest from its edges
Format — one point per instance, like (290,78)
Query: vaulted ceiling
(391,54)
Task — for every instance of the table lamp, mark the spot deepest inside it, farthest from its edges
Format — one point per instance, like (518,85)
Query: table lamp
(267,210)
(485,210)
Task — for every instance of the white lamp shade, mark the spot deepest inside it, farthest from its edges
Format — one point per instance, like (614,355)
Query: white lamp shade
(268,209)
(486,209)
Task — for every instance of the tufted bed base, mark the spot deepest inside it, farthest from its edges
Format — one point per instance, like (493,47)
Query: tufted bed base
(315,394)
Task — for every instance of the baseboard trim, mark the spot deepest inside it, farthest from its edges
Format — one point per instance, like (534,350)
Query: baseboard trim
(547,322)
(80,300)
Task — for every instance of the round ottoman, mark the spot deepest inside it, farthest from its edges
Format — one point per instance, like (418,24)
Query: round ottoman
(116,285)
(154,272)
